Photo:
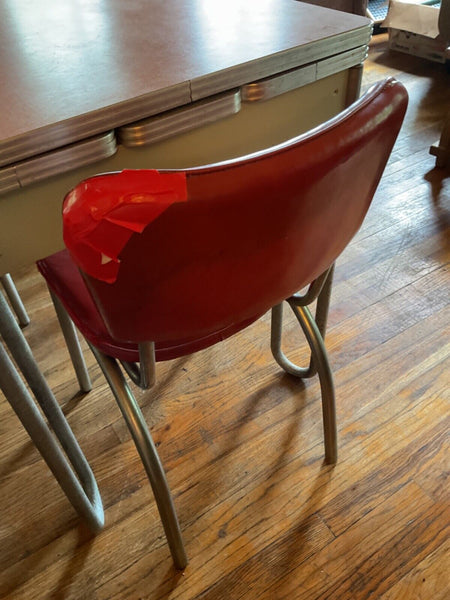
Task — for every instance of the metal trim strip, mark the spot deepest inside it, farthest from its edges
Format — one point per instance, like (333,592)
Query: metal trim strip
(340,62)
(271,87)
(180,120)
(8,180)
(279,84)
(57,162)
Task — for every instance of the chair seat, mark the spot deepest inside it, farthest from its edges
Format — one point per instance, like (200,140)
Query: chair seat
(64,279)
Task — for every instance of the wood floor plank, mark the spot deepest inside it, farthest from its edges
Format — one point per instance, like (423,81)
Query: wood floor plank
(365,492)
(348,566)
(429,579)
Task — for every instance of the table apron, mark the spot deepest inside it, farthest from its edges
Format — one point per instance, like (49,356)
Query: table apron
(30,218)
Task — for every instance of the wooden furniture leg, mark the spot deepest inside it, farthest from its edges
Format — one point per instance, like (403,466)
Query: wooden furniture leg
(441,150)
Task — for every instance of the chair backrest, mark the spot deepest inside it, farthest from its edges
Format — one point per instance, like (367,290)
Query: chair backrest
(253,230)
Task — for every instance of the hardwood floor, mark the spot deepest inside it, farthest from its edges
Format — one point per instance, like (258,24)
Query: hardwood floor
(262,516)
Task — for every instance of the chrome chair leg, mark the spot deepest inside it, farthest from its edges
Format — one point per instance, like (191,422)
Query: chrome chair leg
(73,344)
(323,303)
(81,489)
(320,358)
(314,330)
(148,453)
(275,345)
(320,289)
(14,298)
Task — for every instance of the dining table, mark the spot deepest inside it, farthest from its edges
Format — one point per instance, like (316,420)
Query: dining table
(89,86)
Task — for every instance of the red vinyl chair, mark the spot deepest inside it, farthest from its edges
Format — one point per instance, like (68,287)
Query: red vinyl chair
(162,264)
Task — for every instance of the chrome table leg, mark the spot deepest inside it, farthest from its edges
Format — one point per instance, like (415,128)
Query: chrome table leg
(80,486)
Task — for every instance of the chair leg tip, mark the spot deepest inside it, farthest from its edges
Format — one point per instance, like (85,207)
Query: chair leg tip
(180,564)
(331,459)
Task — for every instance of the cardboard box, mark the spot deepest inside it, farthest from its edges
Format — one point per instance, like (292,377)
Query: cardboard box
(413,29)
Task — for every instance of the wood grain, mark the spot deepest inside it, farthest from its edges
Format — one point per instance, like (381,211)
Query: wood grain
(262,516)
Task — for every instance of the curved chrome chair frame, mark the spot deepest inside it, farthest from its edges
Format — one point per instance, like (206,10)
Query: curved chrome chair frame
(314,330)
(143,375)
(144,442)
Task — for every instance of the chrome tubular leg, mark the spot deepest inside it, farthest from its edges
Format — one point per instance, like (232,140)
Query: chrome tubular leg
(73,344)
(15,300)
(321,316)
(148,453)
(147,361)
(275,345)
(143,373)
(323,303)
(82,491)
(315,341)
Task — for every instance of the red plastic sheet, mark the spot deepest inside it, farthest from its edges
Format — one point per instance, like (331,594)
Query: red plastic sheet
(102,213)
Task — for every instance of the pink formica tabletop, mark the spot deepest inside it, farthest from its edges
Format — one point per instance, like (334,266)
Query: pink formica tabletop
(75,68)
